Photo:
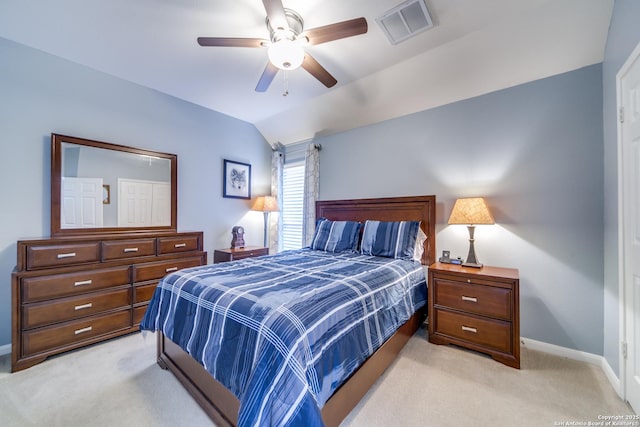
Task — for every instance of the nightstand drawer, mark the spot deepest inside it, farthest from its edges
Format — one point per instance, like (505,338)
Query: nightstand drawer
(226,255)
(494,334)
(251,253)
(484,300)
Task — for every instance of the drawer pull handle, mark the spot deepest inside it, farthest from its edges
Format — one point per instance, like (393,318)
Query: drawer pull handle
(131,250)
(83,306)
(468,329)
(83,330)
(468,280)
(170,269)
(67,255)
(470,299)
(83,282)
(180,245)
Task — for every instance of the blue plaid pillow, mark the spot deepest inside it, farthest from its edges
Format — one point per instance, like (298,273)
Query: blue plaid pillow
(394,239)
(335,236)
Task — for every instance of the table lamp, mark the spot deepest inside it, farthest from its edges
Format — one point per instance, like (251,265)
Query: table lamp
(266,205)
(471,211)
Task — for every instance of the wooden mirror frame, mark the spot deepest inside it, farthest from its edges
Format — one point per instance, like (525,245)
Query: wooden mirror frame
(56,181)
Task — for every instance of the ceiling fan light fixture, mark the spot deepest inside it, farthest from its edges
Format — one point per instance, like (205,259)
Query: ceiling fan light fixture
(286,54)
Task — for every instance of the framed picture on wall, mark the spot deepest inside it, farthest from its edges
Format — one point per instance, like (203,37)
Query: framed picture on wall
(237,180)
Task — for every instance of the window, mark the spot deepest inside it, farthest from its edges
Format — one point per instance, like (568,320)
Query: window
(292,205)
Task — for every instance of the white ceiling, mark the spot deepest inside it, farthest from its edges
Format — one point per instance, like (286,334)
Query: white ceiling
(475,47)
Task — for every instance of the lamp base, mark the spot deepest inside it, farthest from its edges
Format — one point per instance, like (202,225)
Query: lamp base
(472,261)
(266,224)
(471,264)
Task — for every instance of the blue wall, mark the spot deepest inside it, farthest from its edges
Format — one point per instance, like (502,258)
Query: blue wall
(535,152)
(41,94)
(624,35)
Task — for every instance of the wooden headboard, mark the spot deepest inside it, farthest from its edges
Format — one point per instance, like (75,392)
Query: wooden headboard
(419,208)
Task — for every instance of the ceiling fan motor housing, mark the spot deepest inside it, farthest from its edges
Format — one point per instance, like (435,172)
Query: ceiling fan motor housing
(296,24)
(285,51)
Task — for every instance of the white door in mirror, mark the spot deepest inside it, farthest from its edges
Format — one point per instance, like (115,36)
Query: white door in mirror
(81,203)
(143,203)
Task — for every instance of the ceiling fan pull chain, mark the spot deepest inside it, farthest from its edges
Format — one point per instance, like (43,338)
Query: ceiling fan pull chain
(285,78)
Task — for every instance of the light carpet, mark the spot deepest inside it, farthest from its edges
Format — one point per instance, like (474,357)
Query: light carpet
(118,383)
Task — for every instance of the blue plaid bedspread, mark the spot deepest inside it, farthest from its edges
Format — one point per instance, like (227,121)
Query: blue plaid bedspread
(283,332)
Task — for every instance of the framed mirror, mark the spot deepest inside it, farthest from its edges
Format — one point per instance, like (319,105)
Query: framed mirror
(98,187)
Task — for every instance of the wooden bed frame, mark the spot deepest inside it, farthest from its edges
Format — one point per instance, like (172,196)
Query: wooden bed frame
(222,406)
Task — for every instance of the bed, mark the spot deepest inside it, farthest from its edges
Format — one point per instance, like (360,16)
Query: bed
(219,402)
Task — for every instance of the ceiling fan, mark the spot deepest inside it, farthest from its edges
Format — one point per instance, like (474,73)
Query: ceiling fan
(288,40)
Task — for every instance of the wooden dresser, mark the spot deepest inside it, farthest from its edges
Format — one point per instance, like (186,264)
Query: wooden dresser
(69,292)
(476,308)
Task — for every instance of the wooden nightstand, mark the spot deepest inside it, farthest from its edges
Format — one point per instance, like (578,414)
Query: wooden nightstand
(476,308)
(224,255)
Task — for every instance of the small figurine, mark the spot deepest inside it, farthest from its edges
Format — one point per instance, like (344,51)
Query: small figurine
(237,241)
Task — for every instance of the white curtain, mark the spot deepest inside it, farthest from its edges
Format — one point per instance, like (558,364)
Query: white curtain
(277,164)
(311,190)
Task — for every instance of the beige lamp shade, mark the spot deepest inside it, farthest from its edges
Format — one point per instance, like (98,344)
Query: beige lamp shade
(472,210)
(265,204)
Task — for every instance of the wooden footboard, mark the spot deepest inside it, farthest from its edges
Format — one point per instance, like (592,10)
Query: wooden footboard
(222,406)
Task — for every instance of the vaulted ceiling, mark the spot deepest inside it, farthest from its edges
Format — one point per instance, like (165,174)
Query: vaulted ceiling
(475,47)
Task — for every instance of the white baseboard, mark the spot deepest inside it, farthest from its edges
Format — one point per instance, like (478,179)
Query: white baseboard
(562,351)
(5,349)
(613,378)
(578,355)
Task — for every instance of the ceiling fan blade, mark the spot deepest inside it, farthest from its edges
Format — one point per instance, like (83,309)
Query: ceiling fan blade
(318,71)
(339,30)
(266,78)
(231,42)
(275,13)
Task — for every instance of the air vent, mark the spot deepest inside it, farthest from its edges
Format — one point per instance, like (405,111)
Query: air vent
(405,21)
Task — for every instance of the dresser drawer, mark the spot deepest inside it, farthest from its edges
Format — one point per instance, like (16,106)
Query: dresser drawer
(58,255)
(48,338)
(484,300)
(172,245)
(157,270)
(138,314)
(60,310)
(120,249)
(493,334)
(143,293)
(60,285)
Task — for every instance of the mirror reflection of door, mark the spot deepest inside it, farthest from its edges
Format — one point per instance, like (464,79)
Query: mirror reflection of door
(161,204)
(143,203)
(151,177)
(81,202)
